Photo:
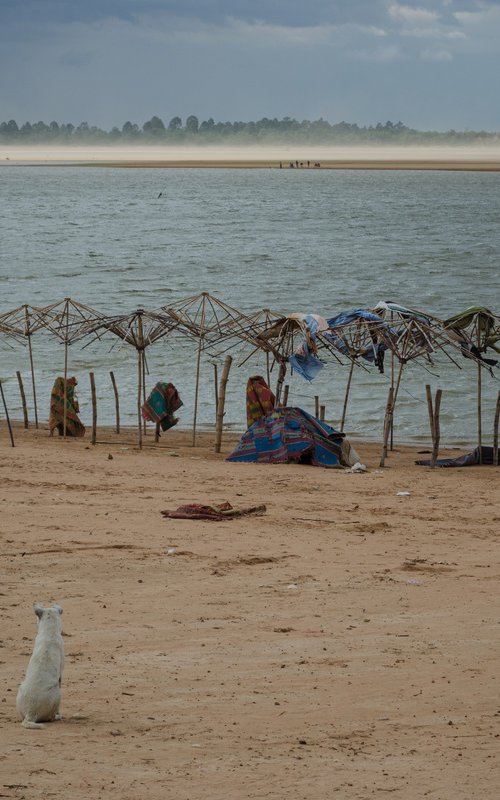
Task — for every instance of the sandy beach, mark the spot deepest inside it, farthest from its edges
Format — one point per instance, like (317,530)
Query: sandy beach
(477,158)
(343,644)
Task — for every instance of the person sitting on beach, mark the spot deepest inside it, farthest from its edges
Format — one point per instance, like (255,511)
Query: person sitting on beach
(74,426)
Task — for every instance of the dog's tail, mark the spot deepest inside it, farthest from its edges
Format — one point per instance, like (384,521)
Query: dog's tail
(27,723)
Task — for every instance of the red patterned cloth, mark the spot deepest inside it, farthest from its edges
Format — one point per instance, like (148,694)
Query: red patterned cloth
(260,399)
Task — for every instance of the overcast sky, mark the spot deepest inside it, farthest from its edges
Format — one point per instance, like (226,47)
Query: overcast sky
(433,64)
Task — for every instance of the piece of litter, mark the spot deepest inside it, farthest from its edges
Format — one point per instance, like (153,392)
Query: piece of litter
(171,551)
(357,467)
(403,494)
(292,586)
(413,582)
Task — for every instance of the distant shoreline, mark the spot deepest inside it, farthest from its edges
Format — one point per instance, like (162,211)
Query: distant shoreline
(484,159)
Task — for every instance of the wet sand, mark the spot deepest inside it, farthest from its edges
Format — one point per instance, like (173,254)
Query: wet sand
(343,644)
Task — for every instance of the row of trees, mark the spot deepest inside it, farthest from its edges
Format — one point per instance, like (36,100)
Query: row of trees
(264,130)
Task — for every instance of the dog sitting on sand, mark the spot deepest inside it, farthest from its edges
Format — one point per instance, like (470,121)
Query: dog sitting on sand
(39,695)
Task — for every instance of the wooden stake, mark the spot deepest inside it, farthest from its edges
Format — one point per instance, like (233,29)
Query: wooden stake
(216,391)
(387,424)
(495,432)
(285,395)
(437,430)
(430,410)
(23,399)
(322,413)
(316,406)
(7,415)
(157,432)
(221,403)
(279,384)
(94,408)
(117,402)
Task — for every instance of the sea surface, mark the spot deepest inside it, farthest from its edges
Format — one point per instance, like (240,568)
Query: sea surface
(288,240)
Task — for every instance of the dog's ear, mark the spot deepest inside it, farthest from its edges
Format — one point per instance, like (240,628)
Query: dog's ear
(57,607)
(39,609)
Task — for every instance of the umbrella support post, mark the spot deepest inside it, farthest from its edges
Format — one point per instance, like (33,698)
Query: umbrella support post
(346,398)
(32,368)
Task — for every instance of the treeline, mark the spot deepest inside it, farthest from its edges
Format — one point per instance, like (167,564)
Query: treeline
(155,131)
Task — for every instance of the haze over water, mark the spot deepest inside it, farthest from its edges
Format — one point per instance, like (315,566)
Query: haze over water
(290,240)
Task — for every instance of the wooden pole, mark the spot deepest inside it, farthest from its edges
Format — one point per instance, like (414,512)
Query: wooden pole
(7,416)
(322,413)
(94,408)
(479,413)
(495,432)
(316,406)
(279,384)
(140,373)
(144,387)
(216,391)
(387,425)
(346,397)
(23,399)
(139,397)
(430,410)
(198,361)
(437,430)
(32,368)
(157,432)
(285,395)
(65,398)
(392,384)
(117,402)
(221,403)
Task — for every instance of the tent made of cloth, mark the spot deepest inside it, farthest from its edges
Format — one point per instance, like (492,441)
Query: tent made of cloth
(291,435)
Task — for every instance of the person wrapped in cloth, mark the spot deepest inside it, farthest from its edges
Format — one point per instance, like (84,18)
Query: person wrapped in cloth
(74,426)
(161,404)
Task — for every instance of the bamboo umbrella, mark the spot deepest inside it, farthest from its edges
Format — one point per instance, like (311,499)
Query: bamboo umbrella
(70,321)
(475,330)
(210,321)
(21,323)
(140,329)
(367,335)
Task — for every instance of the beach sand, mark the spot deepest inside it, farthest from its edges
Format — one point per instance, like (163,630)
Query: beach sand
(343,644)
(477,158)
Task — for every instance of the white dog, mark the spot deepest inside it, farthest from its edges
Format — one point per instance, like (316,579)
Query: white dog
(39,695)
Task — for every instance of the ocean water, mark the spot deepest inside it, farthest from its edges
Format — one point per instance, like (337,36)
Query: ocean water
(289,240)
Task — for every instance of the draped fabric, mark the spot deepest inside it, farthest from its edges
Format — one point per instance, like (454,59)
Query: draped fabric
(74,426)
(289,435)
(260,399)
(161,404)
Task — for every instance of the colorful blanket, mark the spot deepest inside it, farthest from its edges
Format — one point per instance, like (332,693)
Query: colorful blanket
(289,435)
(260,399)
(74,426)
(161,404)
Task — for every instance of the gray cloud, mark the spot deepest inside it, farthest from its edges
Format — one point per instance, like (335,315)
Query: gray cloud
(109,61)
